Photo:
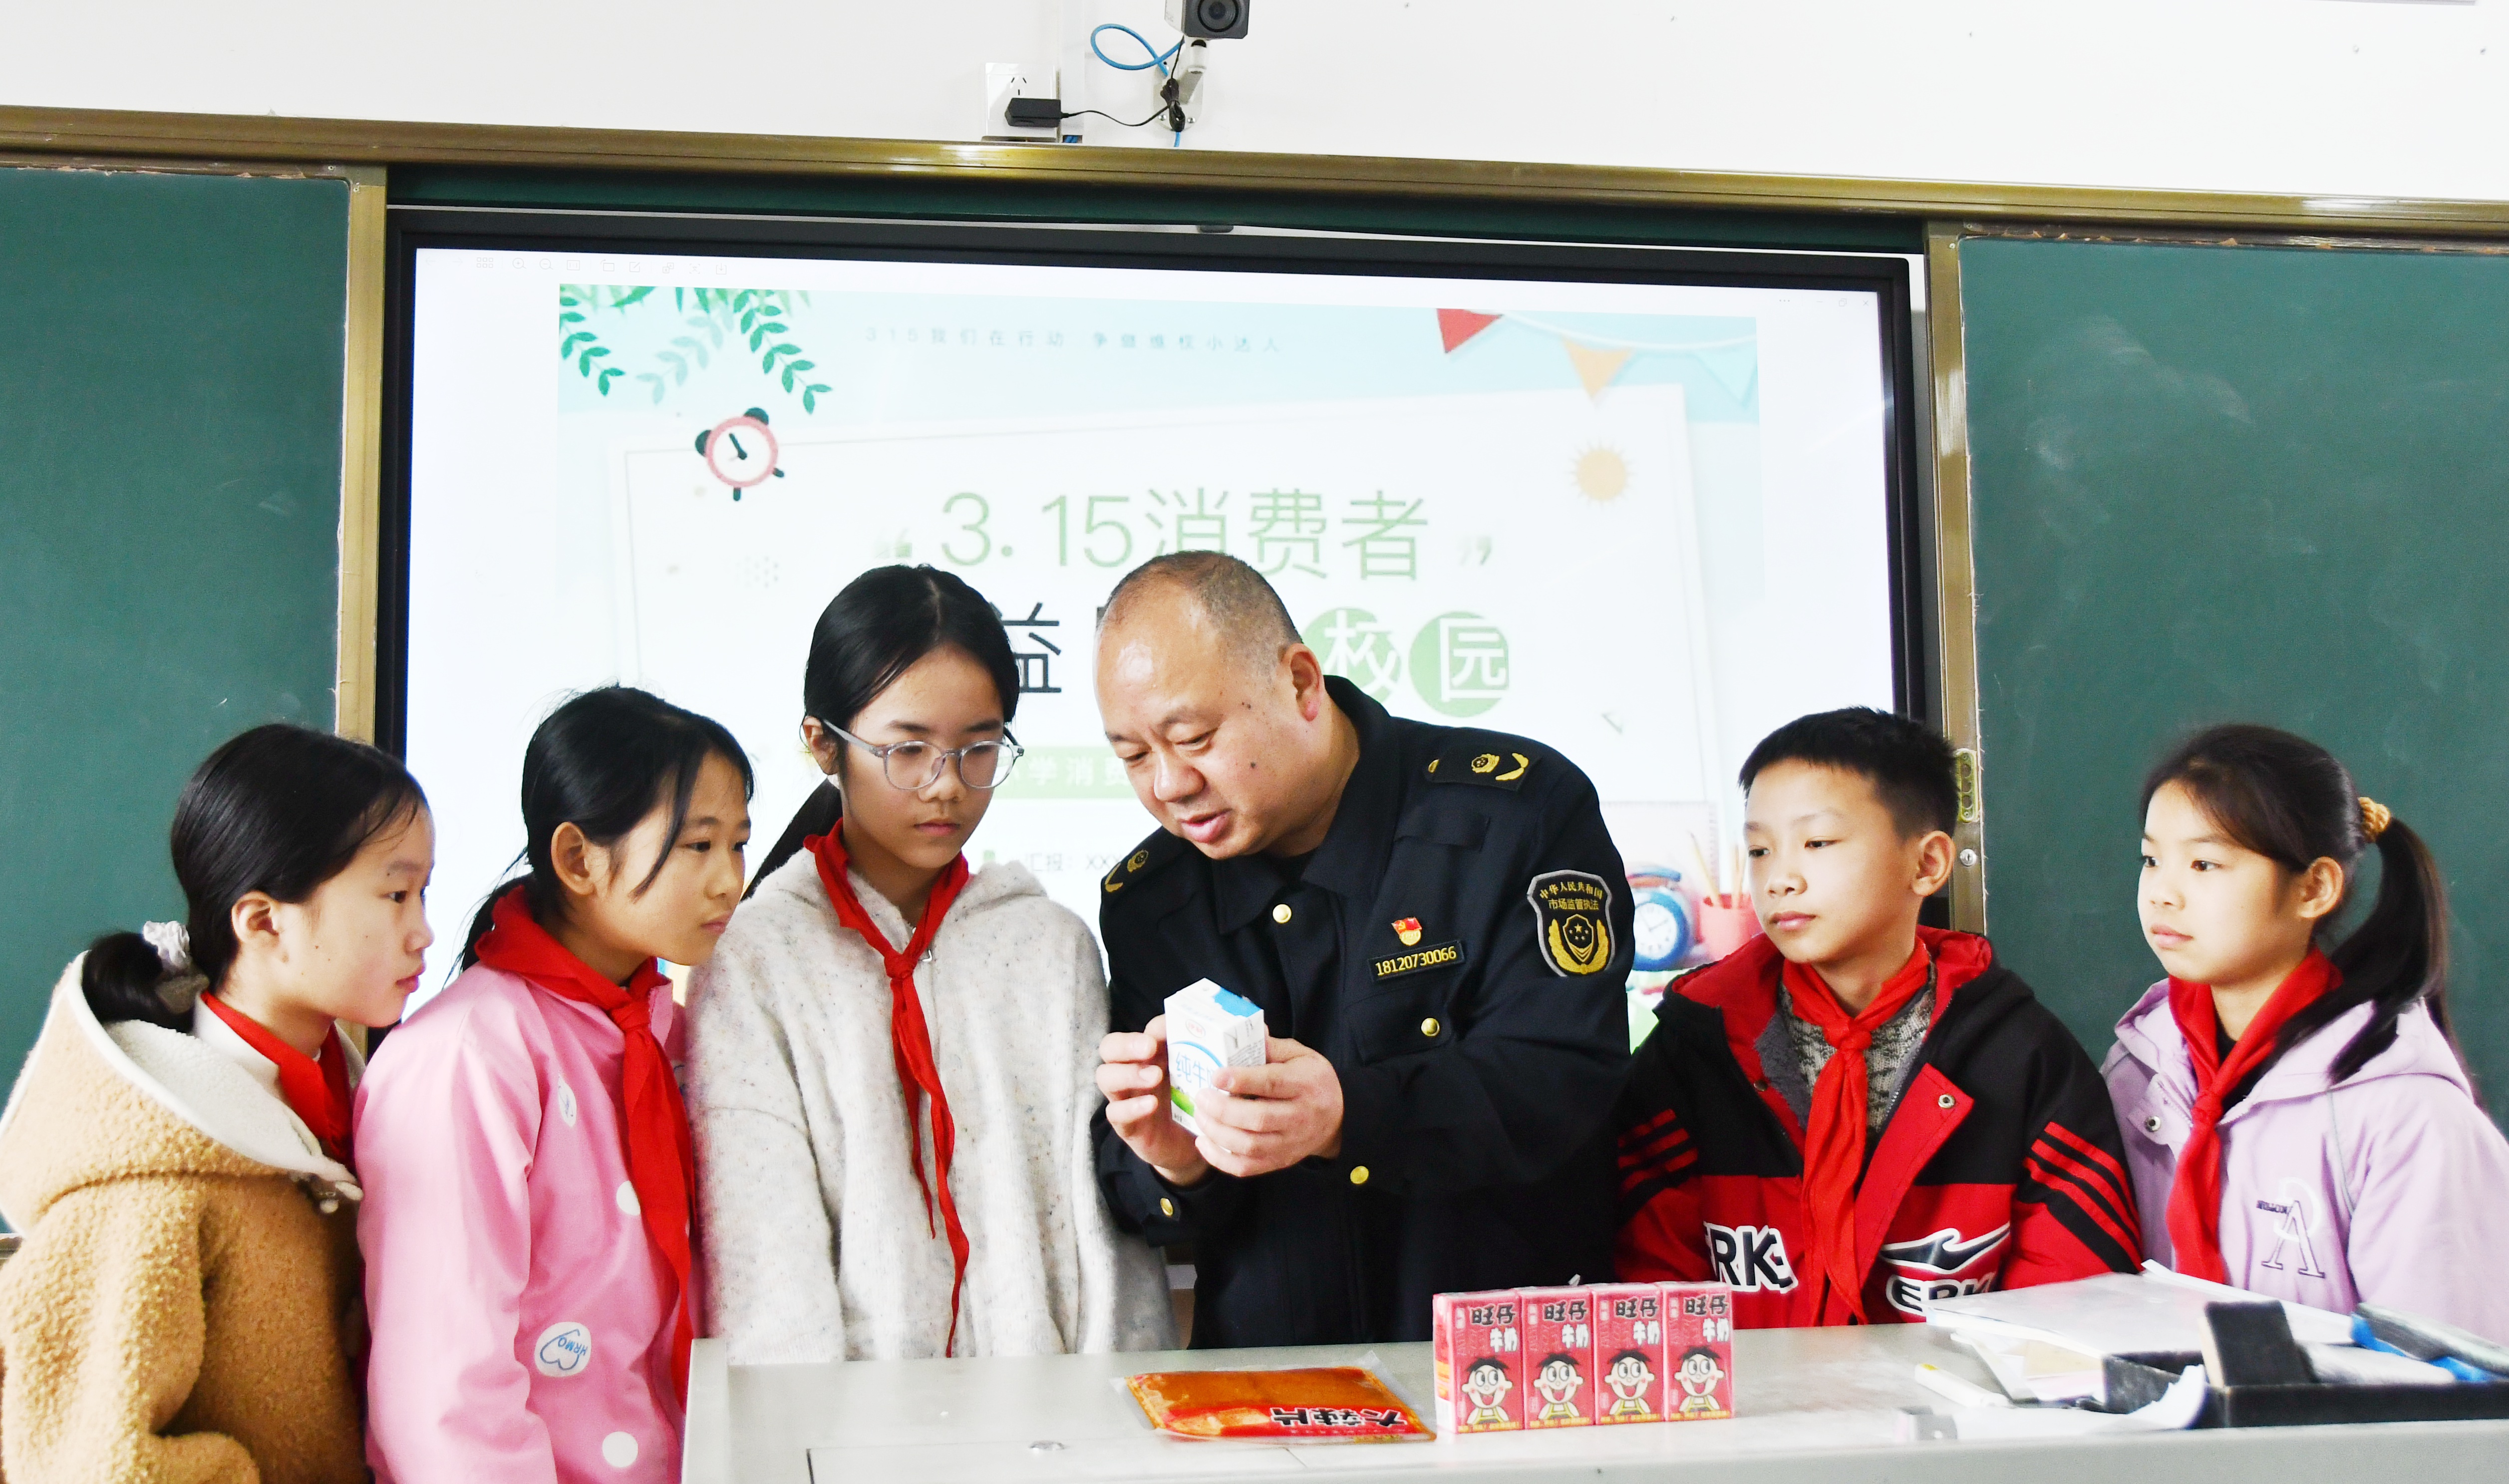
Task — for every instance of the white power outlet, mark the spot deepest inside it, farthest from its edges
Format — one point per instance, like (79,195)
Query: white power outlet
(1005,81)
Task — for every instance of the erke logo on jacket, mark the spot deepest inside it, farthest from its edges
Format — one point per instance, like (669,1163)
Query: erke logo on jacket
(1750,1258)
(1942,1265)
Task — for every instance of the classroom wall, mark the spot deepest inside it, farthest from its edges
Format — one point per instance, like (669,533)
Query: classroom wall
(2353,96)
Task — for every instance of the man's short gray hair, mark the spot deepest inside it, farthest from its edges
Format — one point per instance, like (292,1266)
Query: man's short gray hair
(1232,595)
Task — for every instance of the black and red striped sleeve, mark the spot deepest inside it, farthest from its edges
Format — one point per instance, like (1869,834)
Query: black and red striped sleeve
(2073,1214)
(1656,1155)
(1662,1234)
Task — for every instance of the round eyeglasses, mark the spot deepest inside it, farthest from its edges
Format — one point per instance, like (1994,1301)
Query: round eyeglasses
(916,765)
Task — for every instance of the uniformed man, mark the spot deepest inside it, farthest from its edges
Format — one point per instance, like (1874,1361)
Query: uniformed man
(1436,927)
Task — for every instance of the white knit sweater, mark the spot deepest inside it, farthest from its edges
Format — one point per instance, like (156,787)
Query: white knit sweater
(814,1241)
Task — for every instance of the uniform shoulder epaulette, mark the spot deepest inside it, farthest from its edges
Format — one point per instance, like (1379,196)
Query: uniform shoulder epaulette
(1146,858)
(1487,758)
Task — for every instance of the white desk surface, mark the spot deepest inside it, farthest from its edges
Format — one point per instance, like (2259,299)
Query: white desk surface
(1810,1404)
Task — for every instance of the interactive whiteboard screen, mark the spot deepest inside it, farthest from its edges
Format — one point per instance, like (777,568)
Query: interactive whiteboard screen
(1644,523)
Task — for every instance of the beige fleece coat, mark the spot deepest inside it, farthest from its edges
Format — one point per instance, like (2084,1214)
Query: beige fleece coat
(183,1308)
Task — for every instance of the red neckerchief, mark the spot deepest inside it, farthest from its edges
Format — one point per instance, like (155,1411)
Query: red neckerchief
(2196,1192)
(317,1091)
(909,1038)
(661,1161)
(1834,1136)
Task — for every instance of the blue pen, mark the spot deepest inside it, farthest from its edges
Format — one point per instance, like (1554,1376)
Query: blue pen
(2364,1337)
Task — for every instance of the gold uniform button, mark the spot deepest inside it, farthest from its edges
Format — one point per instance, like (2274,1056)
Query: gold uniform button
(1359,1174)
(1280,913)
(1166,1207)
(1429,1027)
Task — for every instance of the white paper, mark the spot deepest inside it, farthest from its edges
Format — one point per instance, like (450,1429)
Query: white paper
(2119,1313)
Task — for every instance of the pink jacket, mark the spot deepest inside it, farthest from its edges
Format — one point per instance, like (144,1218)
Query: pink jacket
(522,1318)
(2390,1187)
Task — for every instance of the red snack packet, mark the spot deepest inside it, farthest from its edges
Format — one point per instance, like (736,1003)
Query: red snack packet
(1698,1349)
(1559,1368)
(1479,1340)
(1326,1402)
(1630,1376)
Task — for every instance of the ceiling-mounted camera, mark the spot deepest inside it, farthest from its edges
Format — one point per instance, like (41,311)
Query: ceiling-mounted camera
(1209,19)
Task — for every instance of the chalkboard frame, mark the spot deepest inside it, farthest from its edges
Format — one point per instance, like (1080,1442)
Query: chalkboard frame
(1910,521)
(620,155)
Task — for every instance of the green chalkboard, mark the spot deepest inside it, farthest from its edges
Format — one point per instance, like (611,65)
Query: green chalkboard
(2236,483)
(169,512)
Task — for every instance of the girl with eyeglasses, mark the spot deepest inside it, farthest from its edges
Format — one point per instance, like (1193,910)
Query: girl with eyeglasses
(891,1059)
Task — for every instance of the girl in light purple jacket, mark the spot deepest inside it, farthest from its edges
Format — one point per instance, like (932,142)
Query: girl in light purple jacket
(2297,1116)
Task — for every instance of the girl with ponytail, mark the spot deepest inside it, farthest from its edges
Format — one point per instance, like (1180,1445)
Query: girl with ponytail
(177,1150)
(528,1171)
(891,1063)
(2296,1114)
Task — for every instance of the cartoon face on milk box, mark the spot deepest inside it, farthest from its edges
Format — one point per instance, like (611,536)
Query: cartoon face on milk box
(1536,1359)
(1631,1374)
(1559,1357)
(1478,1342)
(1698,1350)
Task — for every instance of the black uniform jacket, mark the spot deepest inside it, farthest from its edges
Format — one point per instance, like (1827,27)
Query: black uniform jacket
(1457,949)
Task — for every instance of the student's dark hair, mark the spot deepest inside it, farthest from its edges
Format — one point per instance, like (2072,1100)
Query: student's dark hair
(603,761)
(869,634)
(278,809)
(1908,764)
(2288,800)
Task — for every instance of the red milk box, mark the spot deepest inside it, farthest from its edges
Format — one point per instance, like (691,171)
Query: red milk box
(1559,1357)
(1630,1376)
(1479,1339)
(1698,1350)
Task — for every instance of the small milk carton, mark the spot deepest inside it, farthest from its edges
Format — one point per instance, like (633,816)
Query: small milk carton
(1207,1028)
(1559,1357)
(1478,1340)
(1699,1348)
(1630,1376)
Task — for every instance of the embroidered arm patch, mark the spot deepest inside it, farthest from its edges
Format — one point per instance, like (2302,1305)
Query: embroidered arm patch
(1572,920)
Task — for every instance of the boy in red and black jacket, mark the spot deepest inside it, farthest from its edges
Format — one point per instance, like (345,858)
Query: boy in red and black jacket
(1853,1115)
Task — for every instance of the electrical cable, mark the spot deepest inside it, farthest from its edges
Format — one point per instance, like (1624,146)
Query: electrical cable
(1158,59)
(1111,119)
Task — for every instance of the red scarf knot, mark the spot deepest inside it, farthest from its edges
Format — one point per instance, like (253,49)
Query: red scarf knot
(910,1039)
(2195,1191)
(1835,1136)
(315,1089)
(661,1158)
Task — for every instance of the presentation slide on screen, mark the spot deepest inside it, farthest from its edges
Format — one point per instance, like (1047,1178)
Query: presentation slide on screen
(1642,523)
